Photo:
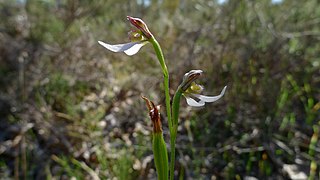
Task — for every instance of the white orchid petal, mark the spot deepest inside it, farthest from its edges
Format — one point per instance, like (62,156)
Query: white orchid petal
(194,103)
(135,48)
(210,98)
(129,48)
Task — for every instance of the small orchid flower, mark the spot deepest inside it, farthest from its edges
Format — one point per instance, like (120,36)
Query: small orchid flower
(191,90)
(138,38)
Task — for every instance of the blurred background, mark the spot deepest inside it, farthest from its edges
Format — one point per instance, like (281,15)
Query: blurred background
(70,109)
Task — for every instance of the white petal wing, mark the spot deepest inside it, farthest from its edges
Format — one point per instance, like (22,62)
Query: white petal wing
(194,103)
(129,48)
(135,48)
(210,98)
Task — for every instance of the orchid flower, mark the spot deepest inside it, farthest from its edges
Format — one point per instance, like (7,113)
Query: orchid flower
(192,90)
(138,38)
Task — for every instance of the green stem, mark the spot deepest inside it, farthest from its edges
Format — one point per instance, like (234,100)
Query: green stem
(173,152)
(162,62)
(172,129)
(176,106)
(175,117)
(172,120)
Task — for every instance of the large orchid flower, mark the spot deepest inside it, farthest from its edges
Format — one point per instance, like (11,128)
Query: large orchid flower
(191,90)
(138,38)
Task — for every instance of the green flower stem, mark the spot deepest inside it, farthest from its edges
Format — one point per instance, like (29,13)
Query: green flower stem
(173,152)
(175,117)
(176,106)
(172,128)
(160,155)
(162,62)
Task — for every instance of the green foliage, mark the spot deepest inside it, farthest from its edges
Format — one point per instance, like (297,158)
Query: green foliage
(62,93)
(4,170)
(123,167)
(69,168)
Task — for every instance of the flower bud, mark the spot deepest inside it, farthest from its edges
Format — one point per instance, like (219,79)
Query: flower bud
(159,146)
(154,115)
